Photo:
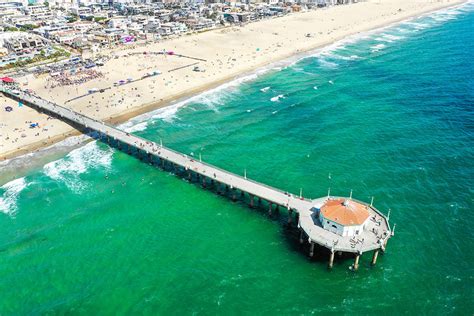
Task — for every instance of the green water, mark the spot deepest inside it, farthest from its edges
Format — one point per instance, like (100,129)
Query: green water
(388,115)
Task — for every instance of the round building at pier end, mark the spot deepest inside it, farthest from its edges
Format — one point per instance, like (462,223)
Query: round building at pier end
(344,217)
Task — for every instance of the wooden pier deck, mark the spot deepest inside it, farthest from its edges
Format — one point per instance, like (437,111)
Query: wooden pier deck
(373,238)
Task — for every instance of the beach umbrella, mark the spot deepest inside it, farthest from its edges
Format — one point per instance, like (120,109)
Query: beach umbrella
(8,108)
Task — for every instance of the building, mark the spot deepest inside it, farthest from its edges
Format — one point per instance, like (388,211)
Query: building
(82,12)
(64,4)
(172,28)
(198,24)
(118,22)
(24,44)
(344,217)
(13,4)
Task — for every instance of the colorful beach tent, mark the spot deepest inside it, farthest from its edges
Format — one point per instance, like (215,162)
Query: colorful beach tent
(7,79)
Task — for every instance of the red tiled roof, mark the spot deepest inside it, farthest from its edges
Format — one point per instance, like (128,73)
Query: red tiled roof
(345,212)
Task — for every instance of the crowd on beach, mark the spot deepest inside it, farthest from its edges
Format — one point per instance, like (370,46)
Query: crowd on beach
(78,78)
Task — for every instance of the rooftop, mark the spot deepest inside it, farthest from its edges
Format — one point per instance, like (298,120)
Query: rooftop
(346,212)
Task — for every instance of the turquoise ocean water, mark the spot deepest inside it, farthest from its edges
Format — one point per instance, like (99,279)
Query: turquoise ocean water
(388,114)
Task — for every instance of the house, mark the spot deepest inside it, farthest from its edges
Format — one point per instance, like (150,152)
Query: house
(172,28)
(24,44)
(197,24)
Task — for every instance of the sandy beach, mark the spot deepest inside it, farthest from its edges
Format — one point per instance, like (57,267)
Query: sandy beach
(228,53)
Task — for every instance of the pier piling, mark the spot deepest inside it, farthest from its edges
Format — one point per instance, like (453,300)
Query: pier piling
(331,260)
(356,262)
(304,209)
(374,257)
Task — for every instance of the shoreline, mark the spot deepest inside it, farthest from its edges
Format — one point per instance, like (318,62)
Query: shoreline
(127,115)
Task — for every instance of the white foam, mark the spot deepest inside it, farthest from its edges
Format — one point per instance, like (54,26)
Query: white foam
(417,25)
(212,98)
(77,162)
(377,47)
(327,64)
(351,57)
(136,127)
(67,142)
(8,200)
(169,113)
(265,89)
(277,98)
(388,38)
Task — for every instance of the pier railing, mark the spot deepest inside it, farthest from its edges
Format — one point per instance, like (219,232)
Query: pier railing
(307,222)
(22,96)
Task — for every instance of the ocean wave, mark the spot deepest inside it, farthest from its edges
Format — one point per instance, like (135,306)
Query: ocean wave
(8,200)
(378,47)
(77,162)
(69,142)
(443,18)
(388,38)
(417,25)
(277,98)
(455,10)
(136,127)
(327,64)
(265,89)
(212,98)
(347,58)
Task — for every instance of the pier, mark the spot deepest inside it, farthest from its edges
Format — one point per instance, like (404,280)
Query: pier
(302,212)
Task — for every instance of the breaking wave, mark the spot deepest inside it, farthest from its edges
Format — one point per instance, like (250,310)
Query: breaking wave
(11,190)
(77,162)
